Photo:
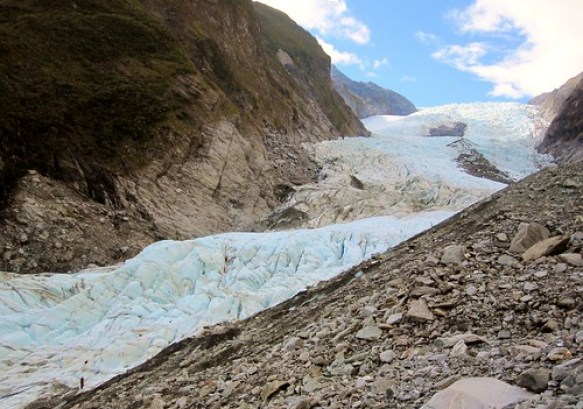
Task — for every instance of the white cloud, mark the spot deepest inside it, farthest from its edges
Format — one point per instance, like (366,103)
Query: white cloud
(484,16)
(380,62)
(328,17)
(550,52)
(427,38)
(339,57)
(371,74)
(461,57)
(408,78)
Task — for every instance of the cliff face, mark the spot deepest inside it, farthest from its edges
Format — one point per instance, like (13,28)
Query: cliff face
(308,64)
(564,138)
(551,102)
(127,121)
(368,99)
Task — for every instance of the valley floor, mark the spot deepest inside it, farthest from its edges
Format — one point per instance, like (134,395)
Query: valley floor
(398,328)
(60,332)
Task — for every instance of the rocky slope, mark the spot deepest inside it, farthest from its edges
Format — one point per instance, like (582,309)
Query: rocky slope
(493,292)
(368,99)
(303,59)
(125,122)
(100,322)
(564,137)
(551,102)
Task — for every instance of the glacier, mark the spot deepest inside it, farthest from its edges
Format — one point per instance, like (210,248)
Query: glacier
(506,133)
(58,328)
(100,322)
(400,170)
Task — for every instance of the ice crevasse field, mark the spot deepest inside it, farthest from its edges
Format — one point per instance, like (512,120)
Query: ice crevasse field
(58,328)
(400,170)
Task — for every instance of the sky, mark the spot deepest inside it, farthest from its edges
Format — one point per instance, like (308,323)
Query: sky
(436,52)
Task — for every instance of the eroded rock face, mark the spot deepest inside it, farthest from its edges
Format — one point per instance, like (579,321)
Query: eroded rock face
(564,138)
(208,159)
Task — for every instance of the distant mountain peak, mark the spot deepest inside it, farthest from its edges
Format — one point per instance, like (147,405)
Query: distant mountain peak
(368,99)
(551,102)
(564,106)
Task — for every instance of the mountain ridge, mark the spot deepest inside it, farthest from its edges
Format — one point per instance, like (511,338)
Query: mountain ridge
(564,137)
(301,55)
(552,101)
(367,98)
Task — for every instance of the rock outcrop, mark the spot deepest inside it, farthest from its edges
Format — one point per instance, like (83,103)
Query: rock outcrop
(301,55)
(400,328)
(551,102)
(126,122)
(456,129)
(564,137)
(368,99)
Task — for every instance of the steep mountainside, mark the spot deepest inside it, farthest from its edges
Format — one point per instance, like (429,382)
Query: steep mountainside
(551,102)
(368,99)
(305,61)
(126,121)
(564,137)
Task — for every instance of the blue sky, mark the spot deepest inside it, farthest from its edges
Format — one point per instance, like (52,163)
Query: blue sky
(443,51)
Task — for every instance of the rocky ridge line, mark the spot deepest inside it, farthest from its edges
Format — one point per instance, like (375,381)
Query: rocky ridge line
(551,102)
(368,99)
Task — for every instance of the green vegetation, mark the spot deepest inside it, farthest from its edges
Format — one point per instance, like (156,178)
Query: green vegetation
(97,88)
(82,82)
(283,33)
(313,64)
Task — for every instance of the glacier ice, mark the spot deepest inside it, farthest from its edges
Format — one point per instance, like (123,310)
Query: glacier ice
(101,322)
(400,170)
(57,328)
(505,133)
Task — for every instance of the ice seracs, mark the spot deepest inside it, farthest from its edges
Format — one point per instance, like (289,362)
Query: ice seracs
(401,170)
(505,133)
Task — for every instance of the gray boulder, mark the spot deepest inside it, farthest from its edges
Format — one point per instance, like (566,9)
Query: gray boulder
(477,393)
(528,235)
